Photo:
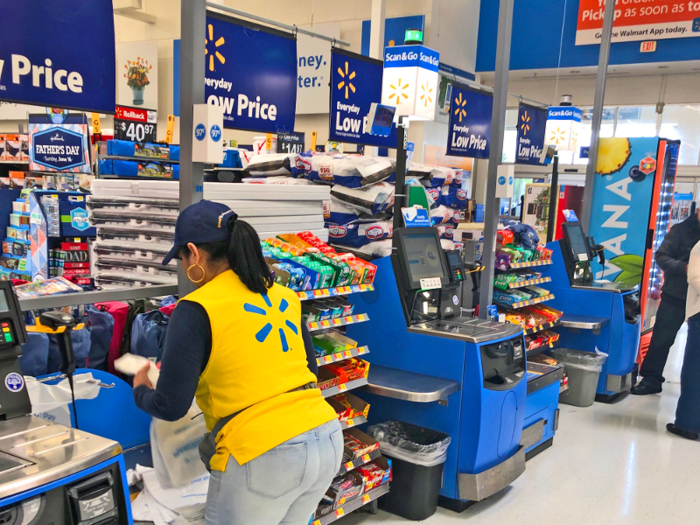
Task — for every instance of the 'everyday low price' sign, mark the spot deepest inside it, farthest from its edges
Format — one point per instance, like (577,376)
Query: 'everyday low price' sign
(532,122)
(469,132)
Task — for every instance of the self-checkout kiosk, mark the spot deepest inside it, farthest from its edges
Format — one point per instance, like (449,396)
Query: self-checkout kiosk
(49,473)
(598,314)
(434,368)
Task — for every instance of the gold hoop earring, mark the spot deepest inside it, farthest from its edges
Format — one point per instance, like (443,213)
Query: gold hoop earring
(204,273)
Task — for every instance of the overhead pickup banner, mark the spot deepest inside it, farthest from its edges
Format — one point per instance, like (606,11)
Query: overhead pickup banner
(532,122)
(639,20)
(356,82)
(469,132)
(58,53)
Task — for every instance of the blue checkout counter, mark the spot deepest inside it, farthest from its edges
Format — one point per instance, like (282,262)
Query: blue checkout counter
(51,473)
(430,367)
(599,315)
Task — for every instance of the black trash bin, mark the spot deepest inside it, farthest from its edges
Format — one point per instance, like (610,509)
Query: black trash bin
(418,457)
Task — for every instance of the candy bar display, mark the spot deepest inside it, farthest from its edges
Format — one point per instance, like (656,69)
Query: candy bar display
(504,281)
(348,407)
(331,343)
(357,444)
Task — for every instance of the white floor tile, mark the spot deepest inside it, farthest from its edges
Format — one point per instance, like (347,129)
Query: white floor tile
(610,464)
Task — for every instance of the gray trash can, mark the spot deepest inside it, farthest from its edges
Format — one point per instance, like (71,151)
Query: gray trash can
(583,369)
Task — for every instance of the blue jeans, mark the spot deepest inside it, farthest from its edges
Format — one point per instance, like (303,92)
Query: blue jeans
(281,487)
(688,411)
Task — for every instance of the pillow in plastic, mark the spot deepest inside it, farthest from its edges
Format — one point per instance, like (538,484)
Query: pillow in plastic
(453,197)
(370,200)
(351,171)
(276,164)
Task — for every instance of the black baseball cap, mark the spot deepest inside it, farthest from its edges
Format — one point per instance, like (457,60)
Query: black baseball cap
(201,223)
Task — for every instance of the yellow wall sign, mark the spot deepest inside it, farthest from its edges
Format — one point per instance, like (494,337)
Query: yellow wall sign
(96,126)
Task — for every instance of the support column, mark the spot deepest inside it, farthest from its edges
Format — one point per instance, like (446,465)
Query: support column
(192,67)
(598,102)
(376,36)
(492,206)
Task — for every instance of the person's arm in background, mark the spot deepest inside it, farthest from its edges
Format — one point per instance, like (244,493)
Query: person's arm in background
(694,269)
(309,347)
(186,353)
(667,256)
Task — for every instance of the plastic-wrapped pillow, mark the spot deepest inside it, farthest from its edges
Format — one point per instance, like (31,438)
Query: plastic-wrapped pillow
(370,200)
(351,171)
(275,164)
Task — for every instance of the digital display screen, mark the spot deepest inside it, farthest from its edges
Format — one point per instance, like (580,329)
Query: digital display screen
(384,117)
(423,256)
(453,259)
(4,307)
(577,241)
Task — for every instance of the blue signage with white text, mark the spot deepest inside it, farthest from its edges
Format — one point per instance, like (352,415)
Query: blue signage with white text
(469,132)
(532,122)
(250,70)
(564,113)
(58,148)
(356,82)
(412,56)
(58,53)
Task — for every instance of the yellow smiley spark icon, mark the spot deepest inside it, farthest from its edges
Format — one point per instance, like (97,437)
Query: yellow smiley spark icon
(525,125)
(219,42)
(398,91)
(459,104)
(347,76)
(558,136)
(426,97)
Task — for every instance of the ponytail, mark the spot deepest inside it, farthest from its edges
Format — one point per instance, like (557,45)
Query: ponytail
(246,259)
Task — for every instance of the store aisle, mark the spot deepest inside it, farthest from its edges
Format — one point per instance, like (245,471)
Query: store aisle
(611,464)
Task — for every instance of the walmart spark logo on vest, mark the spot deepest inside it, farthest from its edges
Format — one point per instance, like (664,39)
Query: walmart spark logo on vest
(275,318)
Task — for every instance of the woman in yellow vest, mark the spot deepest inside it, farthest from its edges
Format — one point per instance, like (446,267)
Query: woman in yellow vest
(239,346)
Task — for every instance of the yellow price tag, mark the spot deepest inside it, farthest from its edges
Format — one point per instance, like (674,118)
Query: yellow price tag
(317,522)
(347,353)
(314,137)
(336,322)
(340,512)
(349,465)
(350,423)
(268,141)
(328,359)
(313,326)
(325,324)
(366,498)
(170,129)
(366,458)
(96,126)
(340,502)
(342,388)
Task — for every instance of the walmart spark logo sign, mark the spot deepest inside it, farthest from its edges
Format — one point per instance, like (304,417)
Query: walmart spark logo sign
(215,53)
(459,107)
(469,132)
(346,83)
(276,321)
(410,79)
(562,128)
(532,122)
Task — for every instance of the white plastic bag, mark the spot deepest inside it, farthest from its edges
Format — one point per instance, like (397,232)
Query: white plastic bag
(51,402)
(174,446)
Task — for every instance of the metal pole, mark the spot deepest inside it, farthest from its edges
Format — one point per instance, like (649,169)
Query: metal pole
(597,112)
(400,199)
(293,29)
(492,208)
(553,198)
(192,67)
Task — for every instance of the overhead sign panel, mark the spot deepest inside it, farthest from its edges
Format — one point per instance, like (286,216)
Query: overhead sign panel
(356,82)
(532,122)
(469,132)
(58,53)
(639,20)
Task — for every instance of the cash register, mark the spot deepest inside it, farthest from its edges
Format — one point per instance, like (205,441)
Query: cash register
(49,473)
(597,314)
(435,368)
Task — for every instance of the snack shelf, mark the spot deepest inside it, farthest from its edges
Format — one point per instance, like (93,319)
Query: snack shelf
(353,505)
(350,385)
(358,462)
(529,264)
(534,351)
(563,389)
(341,356)
(335,323)
(353,422)
(334,292)
(138,159)
(530,282)
(529,302)
(535,329)
(23,162)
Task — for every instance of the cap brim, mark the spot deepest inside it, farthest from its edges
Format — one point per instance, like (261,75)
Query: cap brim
(172,254)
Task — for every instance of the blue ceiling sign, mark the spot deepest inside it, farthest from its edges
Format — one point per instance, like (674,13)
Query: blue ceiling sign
(469,132)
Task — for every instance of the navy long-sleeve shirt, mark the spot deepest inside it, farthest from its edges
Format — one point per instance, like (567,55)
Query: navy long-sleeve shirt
(185,356)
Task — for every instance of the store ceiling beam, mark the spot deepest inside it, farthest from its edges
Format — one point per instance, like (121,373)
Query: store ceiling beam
(598,102)
(133,9)
(292,29)
(498,124)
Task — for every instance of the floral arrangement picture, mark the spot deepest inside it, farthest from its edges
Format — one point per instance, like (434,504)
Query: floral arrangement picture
(137,77)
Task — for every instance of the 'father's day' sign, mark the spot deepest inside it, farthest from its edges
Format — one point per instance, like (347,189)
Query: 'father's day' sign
(48,58)
(532,122)
(356,82)
(469,131)
(251,71)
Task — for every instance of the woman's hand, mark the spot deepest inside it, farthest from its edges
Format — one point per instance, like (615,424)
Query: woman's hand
(141,378)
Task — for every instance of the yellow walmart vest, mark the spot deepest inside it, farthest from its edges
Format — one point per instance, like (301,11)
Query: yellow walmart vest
(257,357)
